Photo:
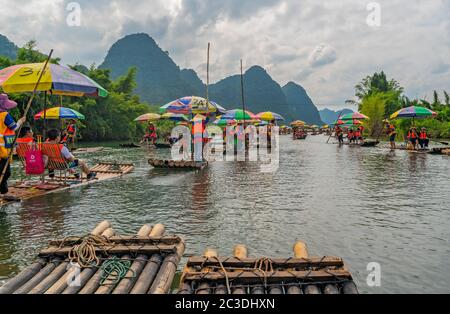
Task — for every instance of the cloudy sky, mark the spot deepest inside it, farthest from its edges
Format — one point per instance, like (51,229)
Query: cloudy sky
(327,46)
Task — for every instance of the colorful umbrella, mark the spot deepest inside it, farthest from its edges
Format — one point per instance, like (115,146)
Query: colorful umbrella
(199,117)
(298,123)
(191,105)
(148,117)
(414,112)
(59,113)
(354,116)
(269,116)
(239,115)
(56,79)
(225,122)
(342,122)
(174,117)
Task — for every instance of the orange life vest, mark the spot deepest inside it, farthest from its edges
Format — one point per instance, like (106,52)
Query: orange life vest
(412,134)
(24,140)
(423,135)
(6,137)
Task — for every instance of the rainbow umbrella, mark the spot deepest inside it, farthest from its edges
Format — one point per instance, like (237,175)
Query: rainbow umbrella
(239,115)
(59,113)
(269,116)
(224,122)
(174,117)
(342,122)
(57,80)
(414,112)
(191,105)
(148,117)
(354,116)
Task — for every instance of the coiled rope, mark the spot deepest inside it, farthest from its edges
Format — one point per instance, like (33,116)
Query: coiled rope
(84,253)
(114,269)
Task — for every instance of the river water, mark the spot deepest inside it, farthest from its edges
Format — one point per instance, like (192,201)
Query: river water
(362,204)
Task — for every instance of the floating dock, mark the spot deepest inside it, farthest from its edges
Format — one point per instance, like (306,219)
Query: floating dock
(177,164)
(239,274)
(144,263)
(27,189)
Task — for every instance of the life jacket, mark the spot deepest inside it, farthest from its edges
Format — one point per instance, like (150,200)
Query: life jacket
(24,140)
(357,134)
(412,134)
(423,135)
(70,130)
(6,137)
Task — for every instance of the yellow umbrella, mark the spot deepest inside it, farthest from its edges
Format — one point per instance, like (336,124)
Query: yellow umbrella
(148,117)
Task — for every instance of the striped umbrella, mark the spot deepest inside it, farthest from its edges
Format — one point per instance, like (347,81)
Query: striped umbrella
(148,117)
(239,115)
(59,113)
(414,112)
(269,116)
(57,80)
(191,105)
(174,117)
(354,116)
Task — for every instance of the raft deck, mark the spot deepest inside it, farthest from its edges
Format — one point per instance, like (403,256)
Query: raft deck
(239,274)
(144,263)
(23,190)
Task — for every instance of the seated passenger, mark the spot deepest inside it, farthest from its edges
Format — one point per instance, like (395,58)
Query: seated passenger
(25,135)
(54,137)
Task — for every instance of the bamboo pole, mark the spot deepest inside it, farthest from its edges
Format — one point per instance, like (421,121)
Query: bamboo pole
(330,289)
(301,251)
(51,279)
(25,275)
(163,280)
(87,274)
(131,278)
(44,272)
(204,287)
(148,275)
(239,251)
(62,283)
(350,288)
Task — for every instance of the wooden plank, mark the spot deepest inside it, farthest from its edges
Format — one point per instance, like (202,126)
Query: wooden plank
(115,249)
(123,240)
(327,261)
(270,276)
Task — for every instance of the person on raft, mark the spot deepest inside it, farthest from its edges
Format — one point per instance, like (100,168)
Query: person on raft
(423,139)
(70,133)
(350,136)
(26,136)
(150,135)
(412,137)
(54,137)
(392,133)
(340,135)
(8,126)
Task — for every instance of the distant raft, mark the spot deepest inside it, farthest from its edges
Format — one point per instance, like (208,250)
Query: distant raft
(177,164)
(144,263)
(301,274)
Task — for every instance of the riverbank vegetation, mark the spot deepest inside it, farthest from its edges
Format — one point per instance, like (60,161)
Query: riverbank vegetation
(378,97)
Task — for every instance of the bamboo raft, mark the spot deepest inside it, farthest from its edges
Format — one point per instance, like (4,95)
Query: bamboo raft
(23,190)
(144,263)
(87,150)
(177,164)
(301,274)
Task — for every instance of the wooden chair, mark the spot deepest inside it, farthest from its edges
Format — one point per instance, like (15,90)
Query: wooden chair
(21,151)
(56,160)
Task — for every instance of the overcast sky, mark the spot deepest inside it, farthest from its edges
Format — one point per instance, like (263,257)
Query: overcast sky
(326,46)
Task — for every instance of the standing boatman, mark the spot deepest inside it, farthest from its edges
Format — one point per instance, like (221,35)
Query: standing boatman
(8,126)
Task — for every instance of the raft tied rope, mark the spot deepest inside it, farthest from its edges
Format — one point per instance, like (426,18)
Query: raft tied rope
(114,269)
(84,253)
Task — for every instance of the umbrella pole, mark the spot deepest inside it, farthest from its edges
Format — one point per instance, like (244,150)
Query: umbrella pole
(5,167)
(45,115)
(242,93)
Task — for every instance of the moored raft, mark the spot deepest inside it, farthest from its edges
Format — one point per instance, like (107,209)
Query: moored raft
(144,263)
(239,274)
(27,189)
(177,164)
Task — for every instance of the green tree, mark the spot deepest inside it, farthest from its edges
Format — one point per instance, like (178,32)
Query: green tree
(374,106)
